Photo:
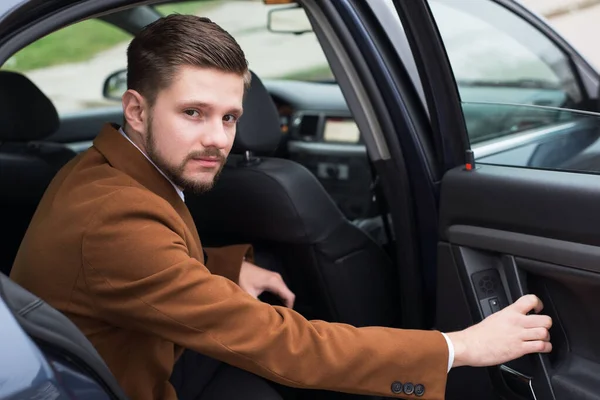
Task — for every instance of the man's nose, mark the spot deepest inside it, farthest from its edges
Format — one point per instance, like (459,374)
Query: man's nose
(215,135)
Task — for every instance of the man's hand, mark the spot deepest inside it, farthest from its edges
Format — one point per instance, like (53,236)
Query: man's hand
(504,336)
(256,280)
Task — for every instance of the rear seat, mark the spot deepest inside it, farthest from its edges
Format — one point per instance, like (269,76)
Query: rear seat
(27,164)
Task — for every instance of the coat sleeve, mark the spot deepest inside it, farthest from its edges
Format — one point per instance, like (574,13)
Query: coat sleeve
(140,275)
(227,261)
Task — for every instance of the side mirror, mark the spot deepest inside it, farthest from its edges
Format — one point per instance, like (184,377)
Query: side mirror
(288,20)
(115,85)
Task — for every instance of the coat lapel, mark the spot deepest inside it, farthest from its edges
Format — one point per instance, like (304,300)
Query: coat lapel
(122,155)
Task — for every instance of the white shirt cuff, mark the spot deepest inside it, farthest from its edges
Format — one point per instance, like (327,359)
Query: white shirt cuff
(450,351)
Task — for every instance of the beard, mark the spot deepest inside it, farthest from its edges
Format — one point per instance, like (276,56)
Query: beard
(176,172)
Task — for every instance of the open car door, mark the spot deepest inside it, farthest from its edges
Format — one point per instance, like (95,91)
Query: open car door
(514,111)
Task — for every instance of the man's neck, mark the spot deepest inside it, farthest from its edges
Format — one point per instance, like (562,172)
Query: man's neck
(135,138)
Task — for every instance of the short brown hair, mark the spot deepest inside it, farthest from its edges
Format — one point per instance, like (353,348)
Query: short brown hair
(177,40)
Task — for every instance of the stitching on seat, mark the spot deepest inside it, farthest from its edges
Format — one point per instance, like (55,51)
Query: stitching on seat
(30,307)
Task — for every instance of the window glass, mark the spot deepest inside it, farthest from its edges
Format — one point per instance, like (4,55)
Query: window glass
(273,51)
(555,139)
(71,64)
(497,57)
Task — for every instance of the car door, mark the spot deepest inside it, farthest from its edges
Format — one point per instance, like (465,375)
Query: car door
(519,196)
(45,356)
(31,374)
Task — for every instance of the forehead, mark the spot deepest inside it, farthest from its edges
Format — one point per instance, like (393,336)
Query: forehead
(206,85)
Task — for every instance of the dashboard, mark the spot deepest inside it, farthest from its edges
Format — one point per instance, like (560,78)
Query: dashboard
(313,111)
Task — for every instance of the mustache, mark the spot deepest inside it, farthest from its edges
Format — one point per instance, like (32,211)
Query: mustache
(211,152)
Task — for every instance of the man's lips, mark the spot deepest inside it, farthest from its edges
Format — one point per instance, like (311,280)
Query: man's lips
(207,162)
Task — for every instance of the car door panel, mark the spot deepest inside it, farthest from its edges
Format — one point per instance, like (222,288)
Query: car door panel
(505,232)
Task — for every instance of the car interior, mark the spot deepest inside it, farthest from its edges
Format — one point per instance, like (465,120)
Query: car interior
(309,206)
(28,161)
(460,240)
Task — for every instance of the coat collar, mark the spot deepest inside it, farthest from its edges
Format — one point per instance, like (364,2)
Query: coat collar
(124,156)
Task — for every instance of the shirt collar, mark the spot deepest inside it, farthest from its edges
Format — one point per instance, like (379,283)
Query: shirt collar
(177,189)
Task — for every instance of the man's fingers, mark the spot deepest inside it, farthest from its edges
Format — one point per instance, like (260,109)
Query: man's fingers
(528,303)
(537,346)
(289,298)
(537,321)
(278,287)
(286,295)
(536,334)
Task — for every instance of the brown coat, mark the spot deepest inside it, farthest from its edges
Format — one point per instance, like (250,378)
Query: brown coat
(114,248)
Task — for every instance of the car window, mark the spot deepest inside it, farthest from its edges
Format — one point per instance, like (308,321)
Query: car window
(279,45)
(272,50)
(558,139)
(520,98)
(77,66)
(71,64)
(497,57)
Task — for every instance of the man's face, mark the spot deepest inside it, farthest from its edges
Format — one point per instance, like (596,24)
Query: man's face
(191,127)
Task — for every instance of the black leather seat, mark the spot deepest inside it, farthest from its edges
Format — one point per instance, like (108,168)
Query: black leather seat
(27,165)
(55,334)
(336,270)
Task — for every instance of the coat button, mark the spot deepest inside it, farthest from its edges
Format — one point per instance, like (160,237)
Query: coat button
(409,388)
(419,390)
(397,387)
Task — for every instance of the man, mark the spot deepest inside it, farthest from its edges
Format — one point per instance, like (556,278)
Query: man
(113,246)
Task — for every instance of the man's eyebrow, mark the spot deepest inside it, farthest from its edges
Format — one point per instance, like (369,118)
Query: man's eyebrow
(201,104)
(195,103)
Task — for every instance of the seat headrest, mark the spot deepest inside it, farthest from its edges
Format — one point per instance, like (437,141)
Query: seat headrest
(258,130)
(27,114)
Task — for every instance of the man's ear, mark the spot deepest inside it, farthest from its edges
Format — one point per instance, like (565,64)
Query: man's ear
(134,110)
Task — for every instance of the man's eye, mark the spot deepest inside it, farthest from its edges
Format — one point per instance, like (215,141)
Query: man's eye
(192,113)
(230,118)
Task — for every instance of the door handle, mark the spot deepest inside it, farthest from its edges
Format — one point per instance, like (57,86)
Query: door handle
(516,280)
